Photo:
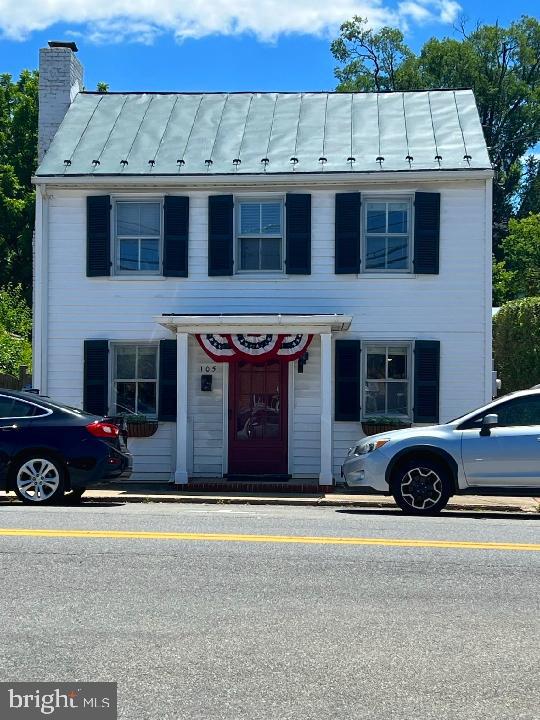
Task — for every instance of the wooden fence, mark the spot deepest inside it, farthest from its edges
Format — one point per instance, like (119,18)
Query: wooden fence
(11,382)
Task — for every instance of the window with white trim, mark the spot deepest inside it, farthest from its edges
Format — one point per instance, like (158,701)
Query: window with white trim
(135,373)
(387,380)
(137,237)
(387,234)
(259,235)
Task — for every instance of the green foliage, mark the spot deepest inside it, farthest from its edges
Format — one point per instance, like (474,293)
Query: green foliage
(14,352)
(102,87)
(18,159)
(516,344)
(521,249)
(15,330)
(529,194)
(501,65)
(503,283)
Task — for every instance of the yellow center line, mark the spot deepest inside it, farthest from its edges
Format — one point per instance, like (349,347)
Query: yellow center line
(234,537)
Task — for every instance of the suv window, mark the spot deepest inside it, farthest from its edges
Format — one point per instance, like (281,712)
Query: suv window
(518,412)
(12,408)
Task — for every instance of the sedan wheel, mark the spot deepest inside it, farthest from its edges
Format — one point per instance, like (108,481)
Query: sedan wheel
(39,481)
(421,488)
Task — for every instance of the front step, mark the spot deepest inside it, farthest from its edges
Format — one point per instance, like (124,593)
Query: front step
(256,486)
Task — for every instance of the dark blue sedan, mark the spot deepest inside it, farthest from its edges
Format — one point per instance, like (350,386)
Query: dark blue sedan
(48,450)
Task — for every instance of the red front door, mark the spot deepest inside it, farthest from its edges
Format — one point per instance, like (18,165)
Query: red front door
(258,418)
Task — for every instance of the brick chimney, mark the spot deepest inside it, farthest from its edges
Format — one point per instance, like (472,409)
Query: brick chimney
(60,79)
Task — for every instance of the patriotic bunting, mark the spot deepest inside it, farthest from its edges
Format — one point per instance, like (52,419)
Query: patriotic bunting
(231,348)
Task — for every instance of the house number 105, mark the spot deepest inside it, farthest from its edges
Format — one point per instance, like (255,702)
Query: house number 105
(207,369)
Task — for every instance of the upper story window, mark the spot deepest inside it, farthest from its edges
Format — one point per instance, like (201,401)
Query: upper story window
(387,379)
(137,237)
(135,379)
(259,232)
(387,234)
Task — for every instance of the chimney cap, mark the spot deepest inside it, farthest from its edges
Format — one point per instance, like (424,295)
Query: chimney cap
(63,44)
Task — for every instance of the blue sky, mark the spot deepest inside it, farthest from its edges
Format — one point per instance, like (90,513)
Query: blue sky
(219,44)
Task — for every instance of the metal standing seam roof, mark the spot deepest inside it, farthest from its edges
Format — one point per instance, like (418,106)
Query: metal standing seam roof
(273,133)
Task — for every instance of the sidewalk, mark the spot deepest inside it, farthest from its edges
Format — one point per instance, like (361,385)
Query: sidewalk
(154,493)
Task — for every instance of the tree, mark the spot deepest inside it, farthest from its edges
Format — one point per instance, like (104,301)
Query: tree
(516,344)
(18,159)
(15,330)
(521,248)
(501,65)
(529,194)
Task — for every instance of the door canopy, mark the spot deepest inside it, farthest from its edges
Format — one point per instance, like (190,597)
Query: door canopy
(254,348)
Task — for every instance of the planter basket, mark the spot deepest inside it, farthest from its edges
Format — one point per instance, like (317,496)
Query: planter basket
(142,429)
(375,428)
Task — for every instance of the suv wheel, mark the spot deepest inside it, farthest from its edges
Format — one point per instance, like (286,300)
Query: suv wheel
(39,480)
(421,487)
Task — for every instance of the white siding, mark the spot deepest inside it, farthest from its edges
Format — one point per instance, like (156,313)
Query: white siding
(450,307)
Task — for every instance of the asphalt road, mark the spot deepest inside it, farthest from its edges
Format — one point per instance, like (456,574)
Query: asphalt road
(231,628)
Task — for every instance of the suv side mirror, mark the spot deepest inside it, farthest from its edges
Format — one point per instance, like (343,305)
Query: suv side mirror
(488,422)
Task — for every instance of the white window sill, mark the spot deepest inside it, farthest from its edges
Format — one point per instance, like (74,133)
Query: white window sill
(261,275)
(386,275)
(135,278)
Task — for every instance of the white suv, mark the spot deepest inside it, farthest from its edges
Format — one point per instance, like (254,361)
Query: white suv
(494,450)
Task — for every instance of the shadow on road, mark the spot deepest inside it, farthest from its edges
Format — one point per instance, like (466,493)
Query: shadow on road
(472,514)
(98,504)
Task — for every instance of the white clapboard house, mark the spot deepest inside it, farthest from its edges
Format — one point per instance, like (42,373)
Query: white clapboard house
(260,272)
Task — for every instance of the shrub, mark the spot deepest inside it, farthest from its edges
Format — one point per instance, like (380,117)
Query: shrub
(516,344)
(14,352)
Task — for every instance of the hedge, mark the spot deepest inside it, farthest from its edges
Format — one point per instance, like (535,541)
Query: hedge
(516,344)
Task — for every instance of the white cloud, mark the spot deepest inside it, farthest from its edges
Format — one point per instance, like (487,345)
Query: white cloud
(143,20)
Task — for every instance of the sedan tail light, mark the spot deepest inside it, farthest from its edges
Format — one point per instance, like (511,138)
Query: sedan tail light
(101,429)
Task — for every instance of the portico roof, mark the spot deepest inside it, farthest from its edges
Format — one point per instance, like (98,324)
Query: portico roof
(283,324)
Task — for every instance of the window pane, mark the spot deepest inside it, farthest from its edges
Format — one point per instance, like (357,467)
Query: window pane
(271,254)
(127,218)
(397,363)
(375,252)
(249,254)
(147,398)
(146,369)
(375,395)
(376,217)
(397,217)
(125,397)
(250,218)
(521,411)
(129,255)
(271,218)
(150,255)
(397,253)
(149,219)
(125,362)
(397,398)
(6,407)
(376,361)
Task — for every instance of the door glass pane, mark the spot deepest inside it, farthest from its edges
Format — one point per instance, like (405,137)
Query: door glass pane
(271,254)
(150,255)
(6,407)
(271,218)
(397,253)
(375,396)
(397,398)
(147,363)
(129,255)
(397,363)
(397,217)
(127,218)
(21,409)
(147,398)
(376,361)
(375,252)
(125,397)
(249,254)
(125,362)
(149,219)
(250,218)
(258,414)
(519,412)
(376,217)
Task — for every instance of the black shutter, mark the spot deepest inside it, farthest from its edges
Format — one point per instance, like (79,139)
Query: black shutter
(347,379)
(167,380)
(96,377)
(347,230)
(426,381)
(98,235)
(427,221)
(220,235)
(298,224)
(175,236)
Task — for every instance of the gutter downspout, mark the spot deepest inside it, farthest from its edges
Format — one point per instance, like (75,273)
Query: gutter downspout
(488,282)
(41,292)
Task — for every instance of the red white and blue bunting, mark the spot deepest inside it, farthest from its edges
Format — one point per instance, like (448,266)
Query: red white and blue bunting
(257,348)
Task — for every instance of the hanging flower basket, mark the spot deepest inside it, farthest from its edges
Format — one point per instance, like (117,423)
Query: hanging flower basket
(141,428)
(376,425)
